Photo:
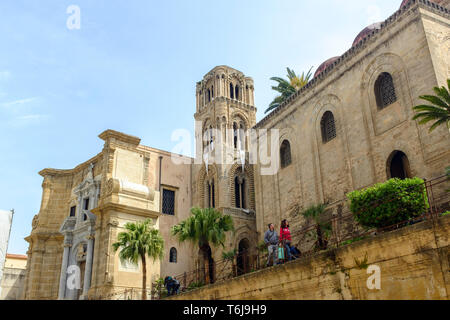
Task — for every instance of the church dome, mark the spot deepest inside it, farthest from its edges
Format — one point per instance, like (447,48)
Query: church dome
(404,2)
(366,31)
(324,65)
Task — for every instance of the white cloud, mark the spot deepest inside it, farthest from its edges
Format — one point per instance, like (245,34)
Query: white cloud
(18,102)
(28,119)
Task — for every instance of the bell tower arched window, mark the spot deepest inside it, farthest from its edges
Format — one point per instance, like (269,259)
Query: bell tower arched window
(235,135)
(231,91)
(328,127)
(385,90)
(237,92)
(211,194)
(240,190)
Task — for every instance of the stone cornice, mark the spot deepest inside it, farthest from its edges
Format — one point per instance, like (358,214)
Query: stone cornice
(237,103)
(352,52)
(66,172)
(126,209)
(119,136)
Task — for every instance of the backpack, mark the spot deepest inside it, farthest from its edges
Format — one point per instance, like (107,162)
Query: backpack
(280,253)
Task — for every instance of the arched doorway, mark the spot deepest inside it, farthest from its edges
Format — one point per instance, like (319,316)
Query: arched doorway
(243,261)
(398,165)
(208,264)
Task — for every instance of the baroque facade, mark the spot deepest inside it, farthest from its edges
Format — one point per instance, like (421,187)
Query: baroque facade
(349,128)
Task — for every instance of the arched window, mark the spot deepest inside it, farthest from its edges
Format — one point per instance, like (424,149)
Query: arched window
(235,135)
(237,92)
(212,92)
(385,90)
(209,95)
(231,91)
(173,255)
(239,190)
(211,194)
(285,154)
(328,127)
(241,134)
(398,166)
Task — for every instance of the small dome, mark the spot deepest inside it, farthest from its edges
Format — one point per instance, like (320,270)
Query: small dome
(324,65)
(404,2)
(366,32)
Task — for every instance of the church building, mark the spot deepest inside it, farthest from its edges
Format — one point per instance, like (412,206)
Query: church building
(350,127)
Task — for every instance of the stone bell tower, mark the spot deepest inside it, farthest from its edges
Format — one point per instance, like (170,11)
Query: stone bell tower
(222,177)
(225,111)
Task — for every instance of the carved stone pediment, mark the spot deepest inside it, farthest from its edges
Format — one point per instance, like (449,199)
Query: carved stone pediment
(68,225)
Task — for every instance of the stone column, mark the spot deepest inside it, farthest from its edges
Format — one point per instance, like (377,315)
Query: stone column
(63,276)
(88,270)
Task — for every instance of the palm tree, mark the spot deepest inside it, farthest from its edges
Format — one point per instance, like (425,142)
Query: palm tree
(438,111)
(204,227)
(286,88)
(140,240)
(323,228)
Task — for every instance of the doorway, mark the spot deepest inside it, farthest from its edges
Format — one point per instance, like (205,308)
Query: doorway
(243,261)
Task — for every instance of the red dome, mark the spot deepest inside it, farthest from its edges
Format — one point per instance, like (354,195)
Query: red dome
(324,65)
(366,32)
(404,2)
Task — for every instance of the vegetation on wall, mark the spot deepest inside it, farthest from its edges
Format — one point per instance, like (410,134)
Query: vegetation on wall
(323,228)
(389,203)
(437,109)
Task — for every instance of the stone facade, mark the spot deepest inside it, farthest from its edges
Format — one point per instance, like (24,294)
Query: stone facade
(339,139)
(416,269)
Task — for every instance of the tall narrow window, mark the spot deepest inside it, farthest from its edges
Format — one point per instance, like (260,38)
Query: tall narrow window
(385,90)
(213,195)
(173,255)
(285,154)
(237,92)
(85,207)
(328,127)
(168,205)
(239,189)
(212,92)
(73,211)
(86,204)
(231,91)
(235,135)
(209,95)
(237,193)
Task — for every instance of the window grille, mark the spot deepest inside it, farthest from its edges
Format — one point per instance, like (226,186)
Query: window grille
(168,202)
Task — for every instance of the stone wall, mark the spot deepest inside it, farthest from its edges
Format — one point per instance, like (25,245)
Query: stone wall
(414,263)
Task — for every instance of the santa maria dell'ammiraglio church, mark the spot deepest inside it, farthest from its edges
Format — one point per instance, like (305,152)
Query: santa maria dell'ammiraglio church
(349,128)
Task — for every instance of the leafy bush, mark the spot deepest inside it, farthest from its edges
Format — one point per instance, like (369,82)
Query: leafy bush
(195,285)
(446,213)
(389,203)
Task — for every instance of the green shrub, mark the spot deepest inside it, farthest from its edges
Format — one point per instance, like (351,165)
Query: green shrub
(389,203)
(446,213)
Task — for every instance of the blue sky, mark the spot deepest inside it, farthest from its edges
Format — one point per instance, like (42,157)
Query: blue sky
(132,67)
